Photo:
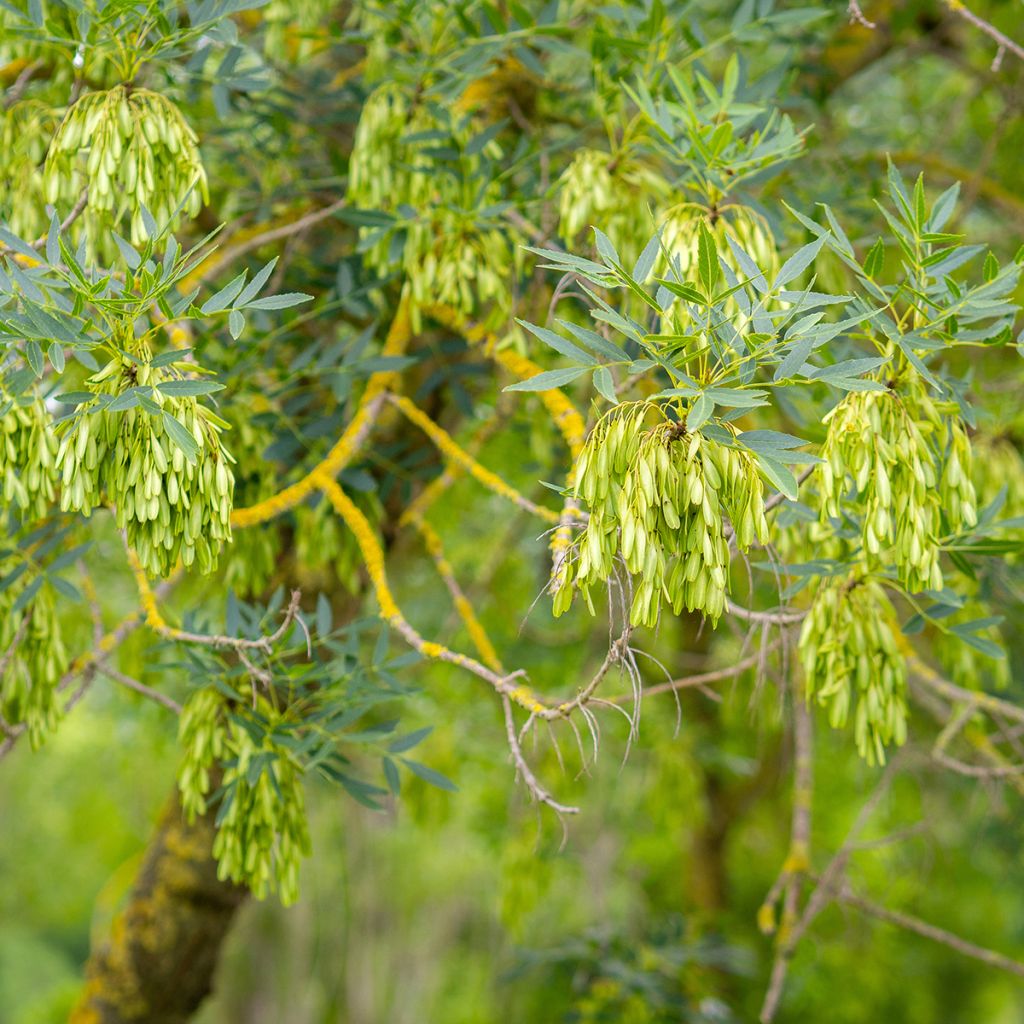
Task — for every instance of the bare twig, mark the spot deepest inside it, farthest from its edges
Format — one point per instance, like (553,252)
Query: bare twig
(825,891)
(76,211)
(701,679)
(857,15)
(798,860)
(19,85)
(523,769)
(931,931)
(226,257)
(146,691)
(776,617)
(1004,43)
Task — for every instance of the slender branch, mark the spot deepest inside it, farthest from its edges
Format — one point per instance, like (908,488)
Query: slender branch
(156,622)
(931,931)
(827,887)
(76,211)
(983,701)
(702,678)
(1004,43)
(217,261)
(146,691)
(777,617)
(523,769)
(798,861)
(19,85)
(857,15)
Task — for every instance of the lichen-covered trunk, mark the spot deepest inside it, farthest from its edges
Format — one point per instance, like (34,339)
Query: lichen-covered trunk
(157,963)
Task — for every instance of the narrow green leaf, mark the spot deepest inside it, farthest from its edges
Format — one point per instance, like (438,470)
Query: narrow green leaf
(181,437)
(548,380)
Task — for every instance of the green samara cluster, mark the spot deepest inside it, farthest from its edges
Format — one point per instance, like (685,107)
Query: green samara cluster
(850,657)
(133,149)
(659,498)
(262,833)
(448,252)
(166,473)
(28,449)
(35,658)
(910,464)
(596,188)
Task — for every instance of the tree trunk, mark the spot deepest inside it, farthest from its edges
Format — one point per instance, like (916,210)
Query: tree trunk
(157,963)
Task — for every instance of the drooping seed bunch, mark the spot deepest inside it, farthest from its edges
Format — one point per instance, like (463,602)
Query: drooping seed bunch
(595,190)
(264,834)
(262,831)
(202,736)
(133,148)
(28,447)
(376,169)
(680,233)
(851,660)
(447,254)
(658,498)
(172,504)
(24,131)
(34,658)
(324,544)
(997,463)
(909,466)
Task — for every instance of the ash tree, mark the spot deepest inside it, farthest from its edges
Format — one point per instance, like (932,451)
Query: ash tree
(272,278)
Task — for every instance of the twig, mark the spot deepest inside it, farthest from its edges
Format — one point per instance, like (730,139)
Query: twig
(227,256)
(76,211)
(524,770)
(777,617)
(857,15)
(931,931)
(825,891)
(40,243)
(19,85)
(798,860)
(1004,43)
(146,691)
(700,679)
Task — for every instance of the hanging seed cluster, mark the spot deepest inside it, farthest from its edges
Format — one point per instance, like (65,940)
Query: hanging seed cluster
(892,445)
(132,148)
(680,234)
(201,734)
(851,660)
(659,499)
(262,833)
(596,190)
(997,463)
(25,129)
(28,449)
(447,256)
(34,658)
(170,507)
(324,544)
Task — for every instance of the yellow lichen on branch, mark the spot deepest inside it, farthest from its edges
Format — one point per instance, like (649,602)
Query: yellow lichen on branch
(373,558)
